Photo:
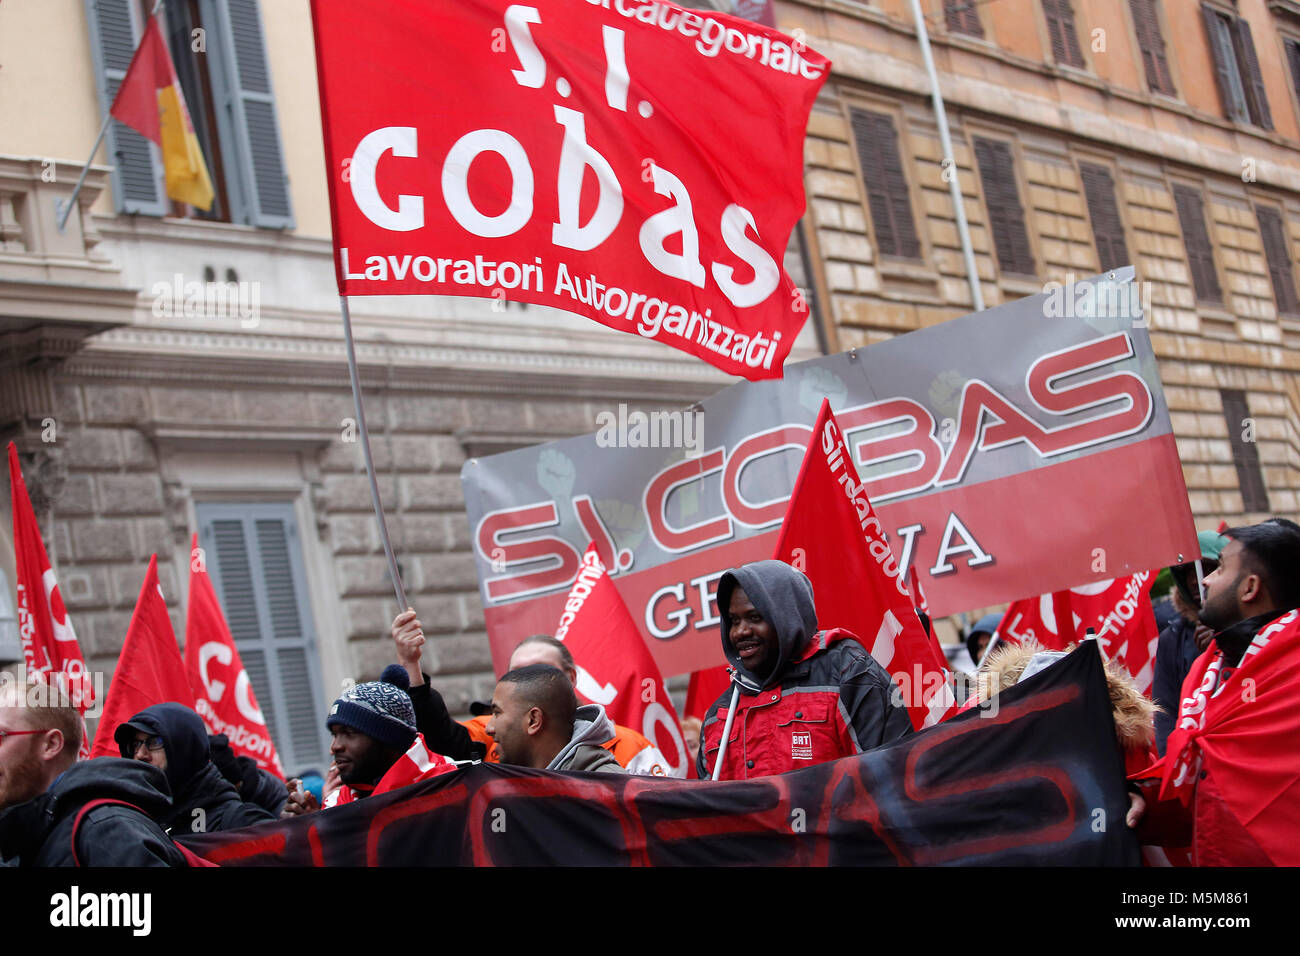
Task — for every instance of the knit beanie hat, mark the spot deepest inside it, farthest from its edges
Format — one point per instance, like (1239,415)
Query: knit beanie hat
(380,709)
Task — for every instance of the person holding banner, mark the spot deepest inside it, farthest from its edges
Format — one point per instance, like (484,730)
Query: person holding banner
(801,695)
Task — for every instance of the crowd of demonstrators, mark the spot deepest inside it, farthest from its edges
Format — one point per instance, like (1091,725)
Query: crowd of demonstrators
(470,739)
(172,738)
(536,722)
(252,783)
(801,695)
(56,811)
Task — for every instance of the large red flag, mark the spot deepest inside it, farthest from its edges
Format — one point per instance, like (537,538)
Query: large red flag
(50,649)
(149,669)
(1118,610)
(832,535)
(615,668)
(223,695)
(638,164)
(705,687)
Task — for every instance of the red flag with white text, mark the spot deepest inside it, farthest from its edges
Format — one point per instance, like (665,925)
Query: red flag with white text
(1118,610)
(635,163)
(832,535)
(50,649)
(615,668)
(223,694)
(149,669)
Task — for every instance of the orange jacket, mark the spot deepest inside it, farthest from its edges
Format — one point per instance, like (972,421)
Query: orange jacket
(633,751)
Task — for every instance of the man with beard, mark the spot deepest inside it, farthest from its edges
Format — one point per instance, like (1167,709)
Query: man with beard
(376,745)
(536,722)
(805,695)
(1229,784)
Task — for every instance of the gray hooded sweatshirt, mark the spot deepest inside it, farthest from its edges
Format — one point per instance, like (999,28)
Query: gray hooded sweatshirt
(591,728)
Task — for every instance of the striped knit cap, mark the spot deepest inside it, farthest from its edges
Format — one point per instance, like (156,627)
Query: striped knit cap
(380,709)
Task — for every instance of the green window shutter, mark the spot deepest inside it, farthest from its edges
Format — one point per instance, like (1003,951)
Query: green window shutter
(257,569)
(246,115)
(137,176)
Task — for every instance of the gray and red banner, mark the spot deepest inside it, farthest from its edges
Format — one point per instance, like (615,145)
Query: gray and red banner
(1021,450)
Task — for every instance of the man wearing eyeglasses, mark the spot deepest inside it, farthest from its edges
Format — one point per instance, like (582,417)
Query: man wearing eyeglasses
(44,790)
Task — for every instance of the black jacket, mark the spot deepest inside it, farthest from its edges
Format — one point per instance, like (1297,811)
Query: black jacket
(196,783)
(1175,654)
(442,735)
(39,832)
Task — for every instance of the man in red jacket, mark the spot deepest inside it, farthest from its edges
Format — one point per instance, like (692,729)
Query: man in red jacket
(1229,784)
(805,696)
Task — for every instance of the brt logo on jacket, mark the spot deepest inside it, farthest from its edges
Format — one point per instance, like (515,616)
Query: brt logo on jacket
(801,745)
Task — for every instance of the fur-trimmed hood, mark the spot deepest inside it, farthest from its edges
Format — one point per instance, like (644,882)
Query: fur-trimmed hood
(1133,711)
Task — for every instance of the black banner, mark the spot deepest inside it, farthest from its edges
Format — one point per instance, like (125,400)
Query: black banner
(1035,779)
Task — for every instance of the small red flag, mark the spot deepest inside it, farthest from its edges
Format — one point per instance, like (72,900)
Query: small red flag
(615,668)
(832,535)
(50,648)
(149,669)
(223,695)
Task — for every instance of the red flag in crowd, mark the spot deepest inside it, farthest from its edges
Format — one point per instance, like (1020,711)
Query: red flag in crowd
(223,695)
(50,649)
(918,596)
(1118,610)
(832,535)
(149,669)
(705,687)
(615,668)
(643,171)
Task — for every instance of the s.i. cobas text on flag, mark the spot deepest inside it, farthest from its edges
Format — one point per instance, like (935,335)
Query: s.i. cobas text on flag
(626,160)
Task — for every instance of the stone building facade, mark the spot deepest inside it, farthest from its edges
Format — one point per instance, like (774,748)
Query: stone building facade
(142,421)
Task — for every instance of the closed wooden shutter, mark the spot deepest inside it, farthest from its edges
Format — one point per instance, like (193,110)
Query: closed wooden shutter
(1278,252)
(1218,34)
(1146,23)
(241,79)
(137,175)
(1252,80)
(1002,197)
(1200,254)
(1107,226)
(1293,57)
(888,196)
(962,17)
(256,565)
(1061,32)
(1245,454)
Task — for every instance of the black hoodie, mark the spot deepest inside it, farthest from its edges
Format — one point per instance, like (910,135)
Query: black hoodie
(39,832)
(195,781)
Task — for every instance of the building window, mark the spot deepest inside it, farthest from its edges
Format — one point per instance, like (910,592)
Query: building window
(1200,254)
(962,17)
(257,569)
(1151,41)
(227,88)
(888,196)
(1107,226)
(1293,58)
(1245,454)
(1002,198)
(1060,30)
(1278,252)
(1236,68)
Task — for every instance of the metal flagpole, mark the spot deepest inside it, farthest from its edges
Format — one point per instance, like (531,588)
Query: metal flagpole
(1200,583)
(954,187)
(726,733)
(65,208)
(365,450)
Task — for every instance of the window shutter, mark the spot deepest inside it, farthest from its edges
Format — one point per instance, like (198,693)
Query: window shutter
(257,569)
(1278,253)
(1245,454)
(1200,254)
(887,193)
(1293,57)
(1107,227)
(962,17)
(1060,29)
(137,175)
(1251,78)
(1146,22)
(250,134)
(1225,65)
(1002,197)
